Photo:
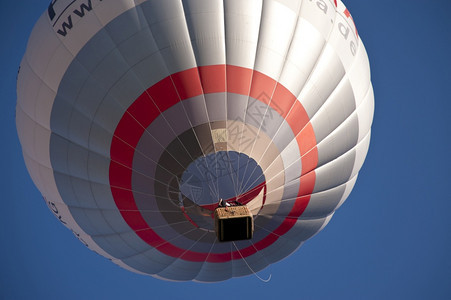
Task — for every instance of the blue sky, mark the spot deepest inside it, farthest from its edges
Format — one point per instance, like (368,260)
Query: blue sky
(390,240)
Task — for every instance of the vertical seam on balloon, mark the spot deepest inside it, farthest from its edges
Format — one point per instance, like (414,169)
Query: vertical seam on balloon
(235,185)
(275,88)
(251,80)
(216,188)
(197,68)
(258,131)
(226,95)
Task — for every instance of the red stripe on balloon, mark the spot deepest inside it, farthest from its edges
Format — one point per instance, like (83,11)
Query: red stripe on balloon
(190,83)
(199,256)
(121,152)
(309,160)
(213,78)
(135,220)
(144,110)
(297,118)
(120,176)
(164,93)
(307,145)
(307,184)
(129,130)
(127,201)
(284,100)
(262,87)
(238,80)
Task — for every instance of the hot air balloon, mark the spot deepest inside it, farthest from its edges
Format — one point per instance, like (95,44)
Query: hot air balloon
(139,119)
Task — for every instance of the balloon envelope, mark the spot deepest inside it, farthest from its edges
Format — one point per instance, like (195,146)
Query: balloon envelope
(136,117)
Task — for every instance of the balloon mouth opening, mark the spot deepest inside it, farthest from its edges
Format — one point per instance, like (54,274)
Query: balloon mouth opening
(228,175)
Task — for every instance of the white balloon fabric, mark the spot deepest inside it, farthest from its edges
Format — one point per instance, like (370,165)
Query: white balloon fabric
(136,117)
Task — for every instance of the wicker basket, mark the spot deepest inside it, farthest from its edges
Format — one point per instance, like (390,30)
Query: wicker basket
(233,223)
